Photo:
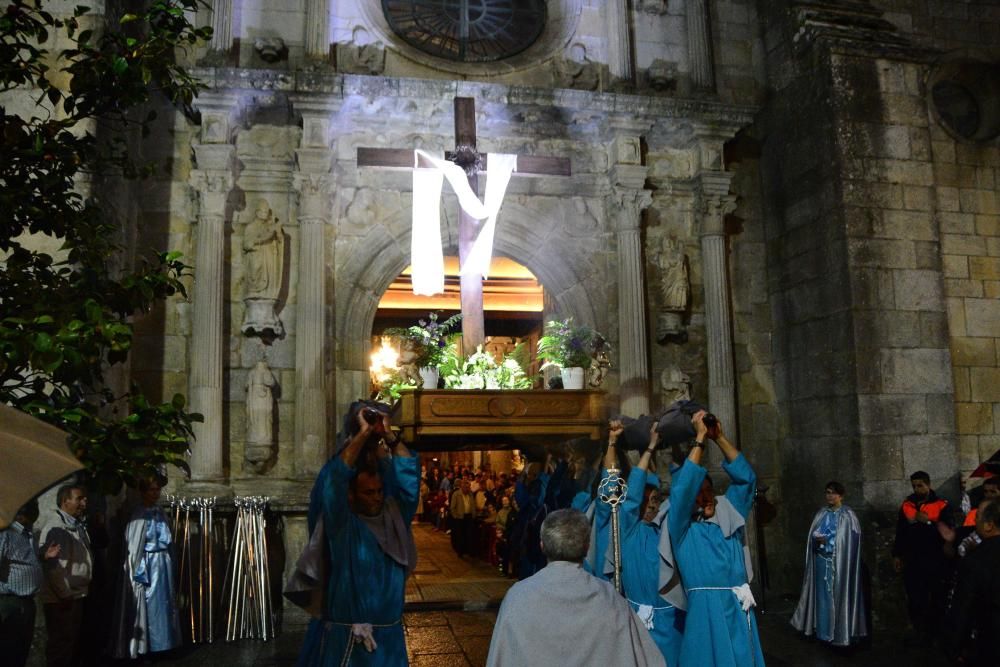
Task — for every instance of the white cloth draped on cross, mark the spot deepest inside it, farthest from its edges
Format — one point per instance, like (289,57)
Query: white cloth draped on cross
(426,255)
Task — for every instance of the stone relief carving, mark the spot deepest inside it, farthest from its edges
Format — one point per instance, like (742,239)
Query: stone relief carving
(270,49)
(361,55)
(674,287)
(263,258)
(662,76)
(598,370)
(260,387)
(581,220)
(575,70)
(268,142)
(675,385)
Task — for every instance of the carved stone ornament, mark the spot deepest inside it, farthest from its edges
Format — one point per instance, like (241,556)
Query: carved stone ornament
(263,257)
(579,75)
(270,49)
(260,416)
(354,58)
(675,385)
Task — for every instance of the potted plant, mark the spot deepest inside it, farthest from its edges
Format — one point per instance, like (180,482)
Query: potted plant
(424,345)
(572,348)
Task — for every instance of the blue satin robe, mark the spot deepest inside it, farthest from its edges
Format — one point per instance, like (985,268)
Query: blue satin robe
(717,632)
(365,585)
(641,570)
(824,579)
(155,574)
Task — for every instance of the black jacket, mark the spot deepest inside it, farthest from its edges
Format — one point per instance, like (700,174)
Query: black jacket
(976,605)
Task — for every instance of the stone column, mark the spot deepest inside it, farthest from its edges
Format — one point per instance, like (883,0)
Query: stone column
(716,202)
(313,182)
(619,40)
(700,45)
(213,181)
(317,29)
(222,25)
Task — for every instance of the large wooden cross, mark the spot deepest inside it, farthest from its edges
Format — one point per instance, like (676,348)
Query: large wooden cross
(473,163)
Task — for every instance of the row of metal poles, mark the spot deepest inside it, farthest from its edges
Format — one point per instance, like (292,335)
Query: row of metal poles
(247,591)
(200,539)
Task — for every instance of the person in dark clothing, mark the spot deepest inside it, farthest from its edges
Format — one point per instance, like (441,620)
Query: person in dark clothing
(919,554)
(973,621)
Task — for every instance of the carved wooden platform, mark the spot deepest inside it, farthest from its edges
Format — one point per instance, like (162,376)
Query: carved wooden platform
(447,420)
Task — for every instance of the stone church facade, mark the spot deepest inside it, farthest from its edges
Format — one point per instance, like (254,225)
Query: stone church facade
(814,165)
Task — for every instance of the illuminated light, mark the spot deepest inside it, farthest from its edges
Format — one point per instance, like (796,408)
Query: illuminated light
(383,361)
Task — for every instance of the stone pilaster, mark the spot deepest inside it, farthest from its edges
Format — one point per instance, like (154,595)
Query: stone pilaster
(700,45)
(213,181)
(630,200)
(716,202)
(317,29)
(619,40)
(313,182)
(222,25)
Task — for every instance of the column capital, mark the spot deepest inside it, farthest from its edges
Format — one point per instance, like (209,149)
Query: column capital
(314,196)
(714,209)
(629,205)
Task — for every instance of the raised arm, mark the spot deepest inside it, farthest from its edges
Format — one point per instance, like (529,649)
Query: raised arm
(353,449)
(743,480)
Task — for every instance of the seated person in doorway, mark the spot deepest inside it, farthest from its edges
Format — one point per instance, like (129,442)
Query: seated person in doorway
(564,616)
(365,502)
(831,605)
(649,575)
(707,536)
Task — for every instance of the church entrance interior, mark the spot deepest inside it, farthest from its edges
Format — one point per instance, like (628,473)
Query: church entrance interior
(463,562)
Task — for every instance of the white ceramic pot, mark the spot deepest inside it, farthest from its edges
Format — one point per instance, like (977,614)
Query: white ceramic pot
(572,377)
(430,376)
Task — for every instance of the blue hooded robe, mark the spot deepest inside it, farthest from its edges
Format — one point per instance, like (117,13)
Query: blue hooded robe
(710,555)
(365,584)
(648,568)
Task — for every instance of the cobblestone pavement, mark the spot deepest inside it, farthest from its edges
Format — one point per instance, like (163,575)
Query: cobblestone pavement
(451,609)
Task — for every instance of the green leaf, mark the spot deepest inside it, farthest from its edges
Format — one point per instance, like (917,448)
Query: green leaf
(120,65)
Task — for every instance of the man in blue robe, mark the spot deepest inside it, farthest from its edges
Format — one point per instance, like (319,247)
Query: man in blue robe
(649,576)
(599,512)
(707,538)
(364,503)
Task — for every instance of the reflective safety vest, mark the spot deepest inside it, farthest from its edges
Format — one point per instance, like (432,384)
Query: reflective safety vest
(932,509)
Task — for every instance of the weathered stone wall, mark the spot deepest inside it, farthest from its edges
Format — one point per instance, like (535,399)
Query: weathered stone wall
(945,24)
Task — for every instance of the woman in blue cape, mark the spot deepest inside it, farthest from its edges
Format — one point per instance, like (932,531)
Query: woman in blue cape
(706,533)
(831,605)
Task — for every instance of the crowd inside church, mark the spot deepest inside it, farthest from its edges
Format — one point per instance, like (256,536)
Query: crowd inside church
(682,559)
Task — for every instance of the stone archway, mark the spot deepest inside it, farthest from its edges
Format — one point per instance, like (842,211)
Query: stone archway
(375,260)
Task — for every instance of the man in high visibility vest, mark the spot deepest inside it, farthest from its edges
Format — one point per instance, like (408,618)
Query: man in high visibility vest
(919,554)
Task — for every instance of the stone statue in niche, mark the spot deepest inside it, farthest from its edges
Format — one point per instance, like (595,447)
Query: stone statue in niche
(361,56)
(675,385)
(674,288)
(261,384)
(575,70)
(263,258)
